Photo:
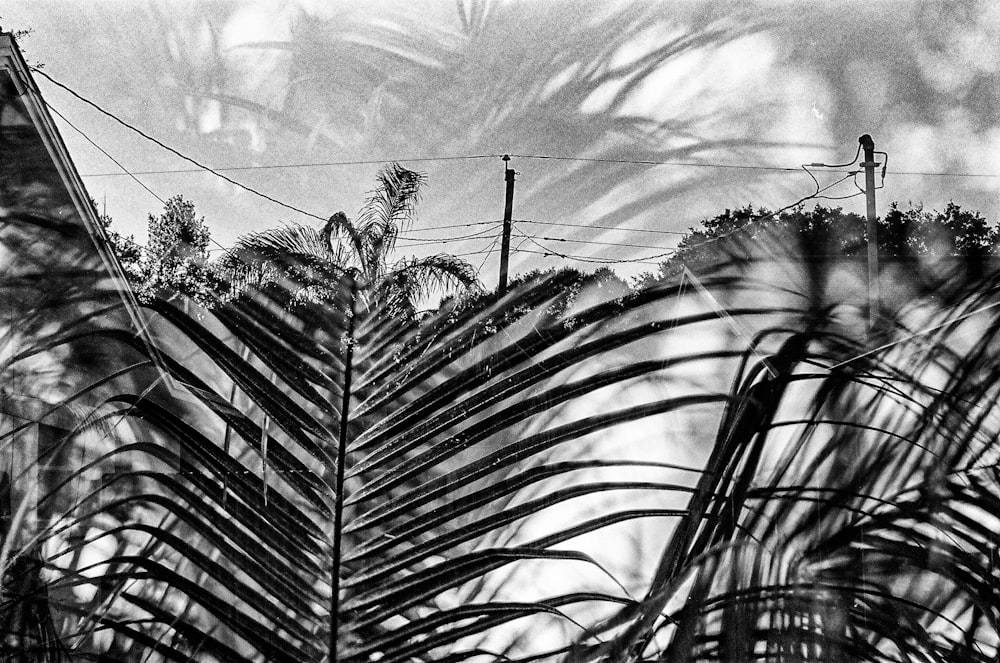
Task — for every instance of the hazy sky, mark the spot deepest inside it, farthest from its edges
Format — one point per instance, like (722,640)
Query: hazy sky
(760,84)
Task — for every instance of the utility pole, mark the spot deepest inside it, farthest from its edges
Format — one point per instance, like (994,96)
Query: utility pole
(868,145)
(508,207)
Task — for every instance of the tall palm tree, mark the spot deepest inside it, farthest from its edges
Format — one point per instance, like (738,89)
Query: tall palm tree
(317,259)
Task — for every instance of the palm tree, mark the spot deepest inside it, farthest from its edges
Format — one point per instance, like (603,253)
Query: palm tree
(317,259)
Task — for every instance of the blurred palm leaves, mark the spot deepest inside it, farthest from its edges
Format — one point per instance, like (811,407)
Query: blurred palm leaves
(339,84)
(529,477)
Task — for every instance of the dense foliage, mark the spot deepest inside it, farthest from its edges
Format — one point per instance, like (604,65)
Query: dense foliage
(719,469)
(824,234)
(175,259)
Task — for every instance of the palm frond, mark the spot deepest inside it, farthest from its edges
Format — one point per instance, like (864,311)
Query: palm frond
(339,226)
(388,209)
(293,254)
(414,280)
(329,479)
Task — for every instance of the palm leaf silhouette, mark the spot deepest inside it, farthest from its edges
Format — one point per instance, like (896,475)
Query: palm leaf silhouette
(329,480)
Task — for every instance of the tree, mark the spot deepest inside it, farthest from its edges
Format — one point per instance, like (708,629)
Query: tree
(824,233)
(177,253)
(127,250)
(317,260)
(175,259)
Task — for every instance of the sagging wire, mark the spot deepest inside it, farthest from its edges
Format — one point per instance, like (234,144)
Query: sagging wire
(548,251)
(815,195)
(444,240)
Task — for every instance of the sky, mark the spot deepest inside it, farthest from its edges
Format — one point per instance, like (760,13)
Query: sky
(727,99)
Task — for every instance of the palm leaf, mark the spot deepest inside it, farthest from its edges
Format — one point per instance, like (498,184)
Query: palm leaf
(388,209)
(326,479)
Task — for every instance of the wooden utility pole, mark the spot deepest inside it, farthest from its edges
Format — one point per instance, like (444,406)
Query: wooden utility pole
(868,145)
(508,207)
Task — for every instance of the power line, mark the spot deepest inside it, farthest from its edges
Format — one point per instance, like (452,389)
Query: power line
(402,237)
(703,164)
(647,259)
(119,164)
(472,253)
(104,152)
(489,251)
(218,171)
(645,162)
(602,261)
(594,241)
(585,227)
(754,219)
(126,170)
(369,162)
(172,150)
(940,174)
(549,253)
(454,225)
(319,164)
(445,240)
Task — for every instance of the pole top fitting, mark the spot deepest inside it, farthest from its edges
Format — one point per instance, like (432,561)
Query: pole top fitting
(867,142)
(506,157)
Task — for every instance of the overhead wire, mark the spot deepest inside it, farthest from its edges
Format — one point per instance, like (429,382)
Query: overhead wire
(129,173)
(368,162)
(594,241)
(817,164)
(199,167)
(315,164)
(445,240)
(472,253)
(650,162)
(777,212)
(489,251)
(174,151)
(548,251)
(462,157)
(590,225)
(941,174)
(126,171)
(104,152)
(453,225)
(220,247)
(704,164)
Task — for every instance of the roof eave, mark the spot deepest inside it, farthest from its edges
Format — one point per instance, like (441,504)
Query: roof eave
(34,104)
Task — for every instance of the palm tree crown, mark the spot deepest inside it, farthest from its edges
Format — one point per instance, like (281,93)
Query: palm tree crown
(315,259)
